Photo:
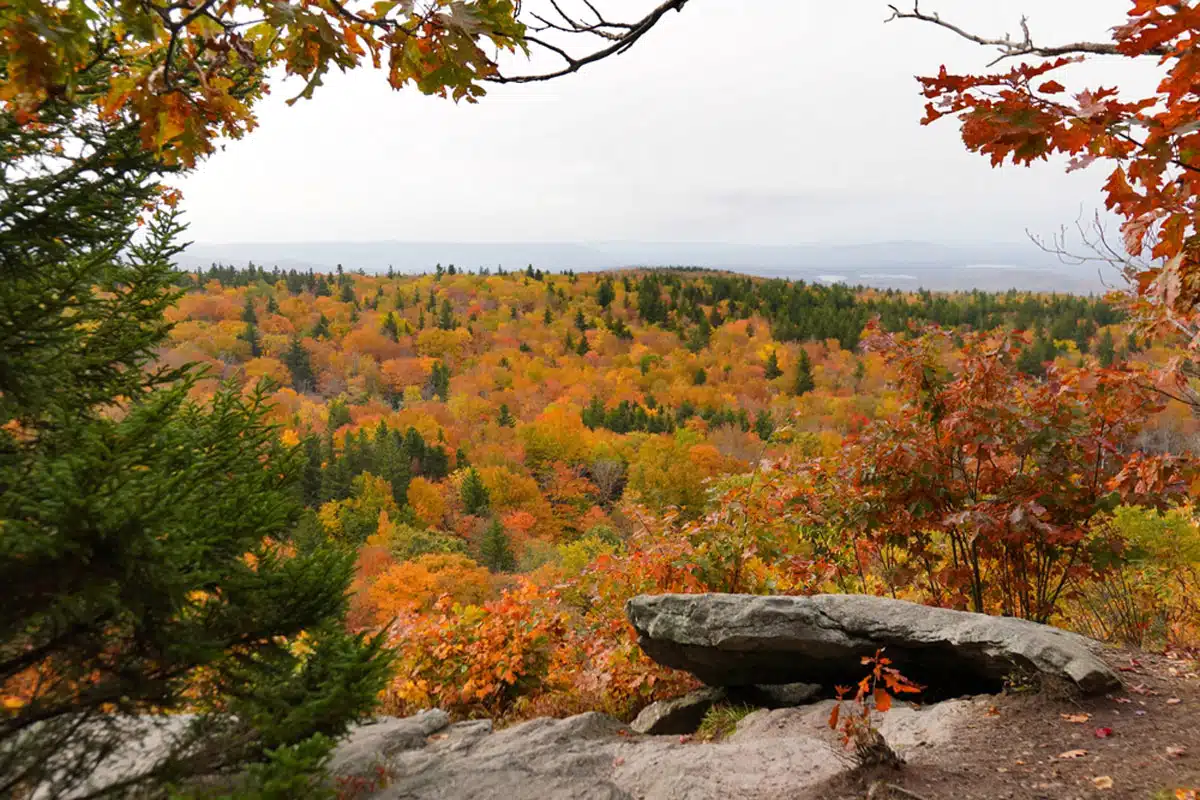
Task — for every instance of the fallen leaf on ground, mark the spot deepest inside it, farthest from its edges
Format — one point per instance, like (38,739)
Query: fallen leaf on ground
(1124,700)
(1174,701)
(1103,733)
(1176,752)
(1103,782)
(1078,718)
(1073,754)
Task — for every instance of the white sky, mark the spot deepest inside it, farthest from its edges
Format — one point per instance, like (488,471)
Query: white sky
(749,121)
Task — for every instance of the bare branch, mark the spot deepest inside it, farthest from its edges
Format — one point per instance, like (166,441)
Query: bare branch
(1015,48)
(620,36)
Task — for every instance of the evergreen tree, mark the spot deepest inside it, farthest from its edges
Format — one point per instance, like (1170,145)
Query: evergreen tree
(547,317)
(764,426)
(495,551)
(299,363)
(506,419)
(605,293)
(580,321)
(474,494)
(248,314)
(773,370)
(584,347)
(250,336)
(124,535)
(439,381)
(804,373)
(272,305)
(390,328)
(699,377)
(1106,349)
(321,329)
(446,319)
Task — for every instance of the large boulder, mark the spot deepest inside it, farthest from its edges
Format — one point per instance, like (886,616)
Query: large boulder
(743,640)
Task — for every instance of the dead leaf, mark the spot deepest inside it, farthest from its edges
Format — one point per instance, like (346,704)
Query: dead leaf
(618,761)
(1174,701)
(1176,752)
(1076,718)
(1124,700)
(1103,733)
(1073,754)
(1103,782)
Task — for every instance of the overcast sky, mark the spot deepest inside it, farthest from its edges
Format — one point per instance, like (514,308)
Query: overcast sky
(748,121)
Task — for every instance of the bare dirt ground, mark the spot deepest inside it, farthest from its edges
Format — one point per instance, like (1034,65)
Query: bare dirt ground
(1143,742)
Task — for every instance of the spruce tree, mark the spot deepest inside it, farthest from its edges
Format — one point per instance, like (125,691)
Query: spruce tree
(127,510)
(764,426)
(505,418)
(773,371)
(391,328)
(605,293)
(299,363)
(804,373)
(474,494)
(495,551)
(321,329)
(1106,349)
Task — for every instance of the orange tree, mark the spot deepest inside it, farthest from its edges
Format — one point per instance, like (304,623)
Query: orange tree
(1150,143)
(984,482)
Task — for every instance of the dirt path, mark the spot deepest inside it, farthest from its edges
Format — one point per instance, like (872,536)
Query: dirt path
(1141,743)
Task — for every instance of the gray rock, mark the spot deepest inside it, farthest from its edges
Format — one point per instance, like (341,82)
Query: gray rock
(741,640)
(679,716)
(372,744)
(772,755)
(781,695)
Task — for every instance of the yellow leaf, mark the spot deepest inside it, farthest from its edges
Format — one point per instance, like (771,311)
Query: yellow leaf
(1073,754)
(1103,782)
(1076,718)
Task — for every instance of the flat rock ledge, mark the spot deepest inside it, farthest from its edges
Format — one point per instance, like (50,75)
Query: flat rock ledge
(743,640)
(773,755)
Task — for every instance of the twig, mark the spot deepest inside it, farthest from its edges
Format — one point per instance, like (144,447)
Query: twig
(1010,48)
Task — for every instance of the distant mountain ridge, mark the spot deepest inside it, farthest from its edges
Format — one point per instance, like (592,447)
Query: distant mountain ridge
(903,265)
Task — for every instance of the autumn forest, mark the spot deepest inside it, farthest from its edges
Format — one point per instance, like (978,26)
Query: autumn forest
(245,511)
(513,455)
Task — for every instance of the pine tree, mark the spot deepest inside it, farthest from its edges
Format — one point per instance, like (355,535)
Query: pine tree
(584,347)
(250,336)
(580,321)
(446,318)
(299,363)
(439,381)
(321,329)
(605,293)
(125,535)
(773,371)
(699,377)
(505,419)
(473,493)
(1106,349)
(764,426)
(804,373)
(495,551)
(390,328)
